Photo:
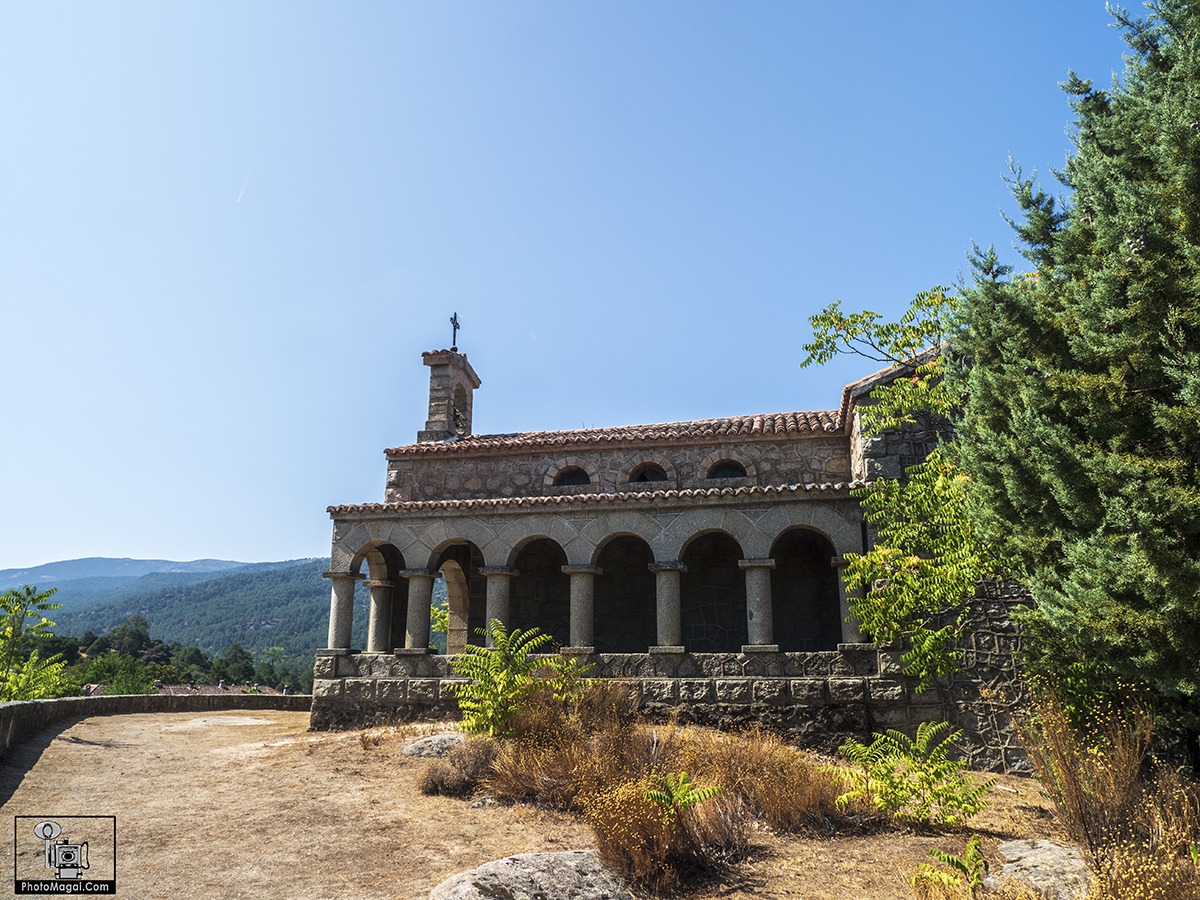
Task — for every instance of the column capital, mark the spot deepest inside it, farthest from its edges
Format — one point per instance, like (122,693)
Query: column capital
(756,563)
(582,570)
(667,565)
(839,562)
(375,584)
(418,573)
(355,575)
(498,570)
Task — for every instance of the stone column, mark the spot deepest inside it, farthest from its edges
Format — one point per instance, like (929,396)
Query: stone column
(666,604)
(341,608)
(497,594)
(420,597)
(758,605)
(582,612)
(379,620)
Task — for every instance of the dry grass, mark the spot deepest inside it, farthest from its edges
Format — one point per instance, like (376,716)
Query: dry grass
(590,758)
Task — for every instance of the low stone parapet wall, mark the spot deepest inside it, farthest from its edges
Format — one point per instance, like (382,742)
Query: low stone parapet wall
(816,700)
(21,720)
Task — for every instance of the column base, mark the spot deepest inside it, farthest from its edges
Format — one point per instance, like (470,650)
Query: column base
(759,648)
(412,651)
(667,650)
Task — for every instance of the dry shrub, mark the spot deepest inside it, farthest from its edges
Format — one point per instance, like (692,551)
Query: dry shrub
(1130,873)
(633,834)
(1143,837)
(462,771)
(781,785)
(716,830)
(1093,778)
(774,783)
(656,846)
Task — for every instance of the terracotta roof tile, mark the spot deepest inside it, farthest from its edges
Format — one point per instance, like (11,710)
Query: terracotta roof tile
(821,421)
(594,498)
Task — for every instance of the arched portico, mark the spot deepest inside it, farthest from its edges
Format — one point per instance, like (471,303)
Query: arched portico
(625,594)
(712,601)
(466,592)
(804,592)
(388,609)
(540,592)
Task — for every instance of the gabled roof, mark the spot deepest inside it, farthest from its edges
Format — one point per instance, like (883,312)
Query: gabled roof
(736,427)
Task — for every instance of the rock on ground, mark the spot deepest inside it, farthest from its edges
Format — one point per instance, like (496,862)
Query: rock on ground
(572,875)
(1055,869)
(435,745)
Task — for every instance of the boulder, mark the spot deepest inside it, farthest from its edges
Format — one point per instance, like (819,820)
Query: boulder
(571,875)
(1056,870)
(436,745)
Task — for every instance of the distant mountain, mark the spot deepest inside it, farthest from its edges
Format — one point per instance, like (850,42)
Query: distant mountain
(53,574)
(87,593)
(280,607)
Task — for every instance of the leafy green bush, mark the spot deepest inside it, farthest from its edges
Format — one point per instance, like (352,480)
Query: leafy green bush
(28,678)
(913,780)
(503,678)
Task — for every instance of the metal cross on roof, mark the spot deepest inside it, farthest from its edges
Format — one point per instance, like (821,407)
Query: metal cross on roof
(454,340)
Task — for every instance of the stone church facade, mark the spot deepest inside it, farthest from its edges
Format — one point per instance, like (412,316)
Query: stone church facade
(699,560)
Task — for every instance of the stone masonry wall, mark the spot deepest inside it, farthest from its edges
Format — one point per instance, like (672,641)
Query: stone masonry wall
(479,474)
(816,700)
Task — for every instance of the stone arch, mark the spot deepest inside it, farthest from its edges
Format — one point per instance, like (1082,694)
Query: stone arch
(384,563)
(540,592)
(570,462)
(624,596)
(712,594)
(443,533)
(805,599)
(722,454)
(466,591)
(640,461)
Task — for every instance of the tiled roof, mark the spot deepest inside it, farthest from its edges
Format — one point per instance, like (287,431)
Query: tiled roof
(825,421)
(594,498)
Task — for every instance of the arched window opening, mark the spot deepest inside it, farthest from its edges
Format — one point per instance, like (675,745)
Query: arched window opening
(571,475)
(647,472)
(806,606)
(727,468)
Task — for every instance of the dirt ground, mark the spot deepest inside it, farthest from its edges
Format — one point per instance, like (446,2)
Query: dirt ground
(240,804)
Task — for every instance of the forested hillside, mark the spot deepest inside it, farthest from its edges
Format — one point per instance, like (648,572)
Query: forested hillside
(286,608)
(78,594)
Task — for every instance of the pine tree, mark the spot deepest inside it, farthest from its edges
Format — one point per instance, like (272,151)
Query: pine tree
(1081,423)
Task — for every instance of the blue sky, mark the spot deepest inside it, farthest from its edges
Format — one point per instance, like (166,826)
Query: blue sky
(228,230)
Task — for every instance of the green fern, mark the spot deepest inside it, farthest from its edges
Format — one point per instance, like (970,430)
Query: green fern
(676,792)
(503,677)
(970,868)
(913,780)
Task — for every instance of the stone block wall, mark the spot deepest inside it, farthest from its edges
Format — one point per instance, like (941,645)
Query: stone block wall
(816,700)
(465,474)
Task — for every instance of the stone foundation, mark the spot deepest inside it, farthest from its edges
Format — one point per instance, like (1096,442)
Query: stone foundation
(815,700)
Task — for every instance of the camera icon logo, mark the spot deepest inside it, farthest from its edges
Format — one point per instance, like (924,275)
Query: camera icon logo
(67,859)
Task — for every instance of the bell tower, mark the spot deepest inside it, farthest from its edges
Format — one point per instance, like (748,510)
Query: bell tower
(452,383)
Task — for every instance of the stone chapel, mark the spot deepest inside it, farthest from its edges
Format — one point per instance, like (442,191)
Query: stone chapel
(699,559)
